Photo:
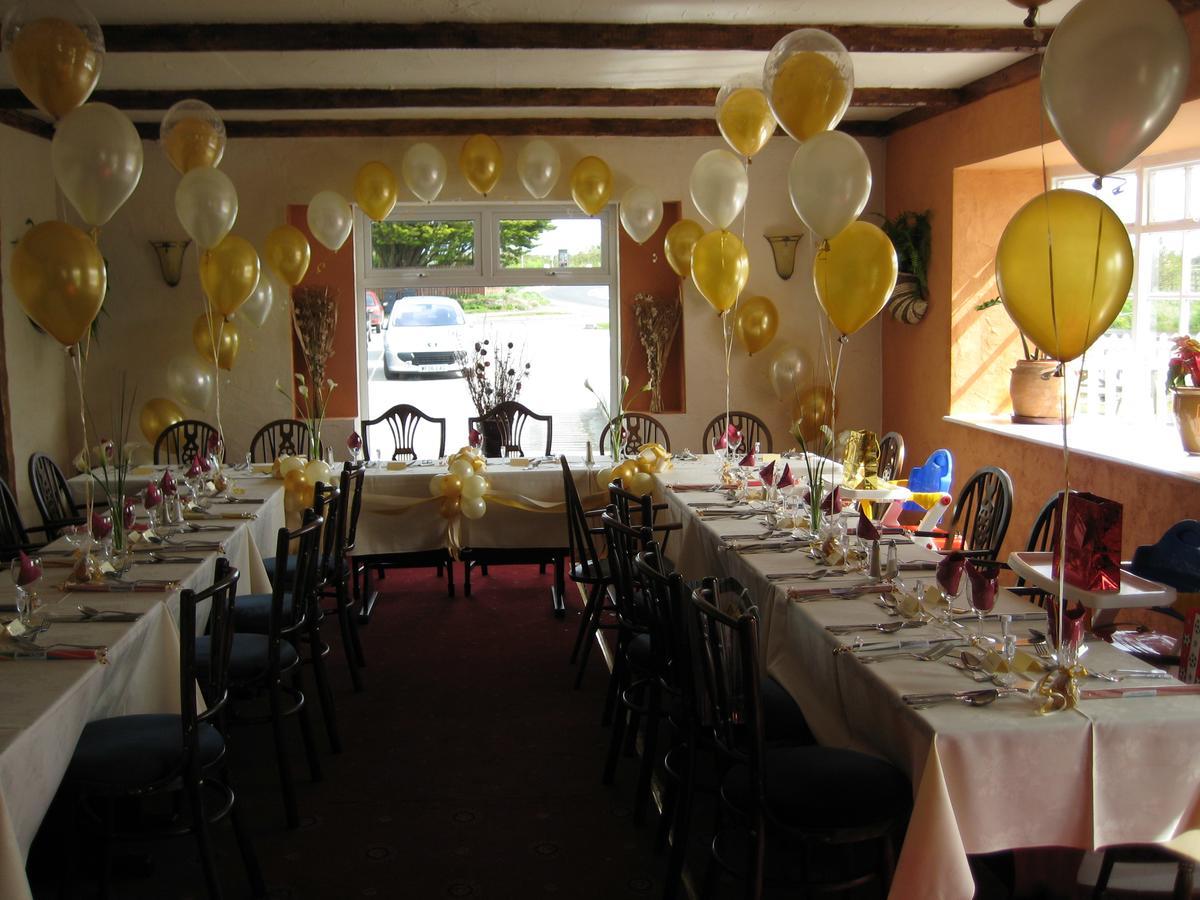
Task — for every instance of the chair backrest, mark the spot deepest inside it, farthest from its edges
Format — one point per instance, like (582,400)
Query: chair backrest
(215,681)
(891,456)
(180,443)
(303,542)
(666,603)
(753,430)
(636,429)
(282,437)
(52,495)
(634,510)
(579,535)
(402,420)
(13,536)
(935,475)
(726,640)
(351,487)
(327,504)
(1041,536)
(511,417)
(982,511)
(624,544)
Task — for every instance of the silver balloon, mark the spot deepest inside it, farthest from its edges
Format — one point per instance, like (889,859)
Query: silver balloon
(258,305)
(788,372)
(423,169)
(190,380)
(539,165)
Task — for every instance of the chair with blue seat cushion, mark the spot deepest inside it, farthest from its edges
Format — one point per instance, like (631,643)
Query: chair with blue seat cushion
(338,573)
(129,758)
(823,807)
(268,665)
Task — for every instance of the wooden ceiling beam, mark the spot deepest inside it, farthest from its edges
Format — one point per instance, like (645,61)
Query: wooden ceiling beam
(1010,76)
(225,37)
(464,98)
(558,127)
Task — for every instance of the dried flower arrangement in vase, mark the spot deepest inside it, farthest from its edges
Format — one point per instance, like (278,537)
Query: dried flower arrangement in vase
(657,321)
(314,319)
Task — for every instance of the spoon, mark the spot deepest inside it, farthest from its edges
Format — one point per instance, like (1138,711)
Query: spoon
(882,627)
(90,612)
(970,698)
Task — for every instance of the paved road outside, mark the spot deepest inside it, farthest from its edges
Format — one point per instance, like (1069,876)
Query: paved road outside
(565,342)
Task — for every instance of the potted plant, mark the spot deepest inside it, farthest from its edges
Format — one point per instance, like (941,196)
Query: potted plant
(1183,381)
(911,235)
(1036,383)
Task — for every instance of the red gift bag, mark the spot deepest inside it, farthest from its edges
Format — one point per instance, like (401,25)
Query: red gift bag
(1093,542)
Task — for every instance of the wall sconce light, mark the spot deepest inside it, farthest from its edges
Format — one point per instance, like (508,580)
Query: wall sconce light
(783,248)
(170,259)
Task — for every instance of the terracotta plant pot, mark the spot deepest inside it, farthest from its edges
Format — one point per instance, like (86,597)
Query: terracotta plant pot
(1036,393)
(1187,417)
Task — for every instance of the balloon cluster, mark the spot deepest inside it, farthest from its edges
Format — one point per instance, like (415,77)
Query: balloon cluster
(637,474)
(463,487)
(300,477)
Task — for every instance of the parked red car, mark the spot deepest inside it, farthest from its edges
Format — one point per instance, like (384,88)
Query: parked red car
(374,313)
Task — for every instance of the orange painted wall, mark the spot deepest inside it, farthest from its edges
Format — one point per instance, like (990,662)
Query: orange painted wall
(925,365)
(335,270)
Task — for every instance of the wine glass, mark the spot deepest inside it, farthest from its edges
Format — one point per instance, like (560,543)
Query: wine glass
(950,582)
(26,571)
(983,591)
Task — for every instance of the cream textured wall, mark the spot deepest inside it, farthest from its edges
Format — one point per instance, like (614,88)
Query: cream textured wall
(149,321)
(38,370)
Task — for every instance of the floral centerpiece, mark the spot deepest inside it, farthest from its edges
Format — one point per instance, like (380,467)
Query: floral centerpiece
(494,374)
(657,320)
(815,460)
(617,434)
(314,319)
(1183,381)
(115,459)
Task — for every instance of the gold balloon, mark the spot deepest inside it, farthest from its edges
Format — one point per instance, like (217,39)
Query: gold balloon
(808,94)
(54,64)
(60,279)
(1092,265)
(286,251)
(229,273)
(192,143)
(203,340)
(755,323)
(746,120)
(481,162)
(679,243)
(855,276)
(157,416)
(591,184)
(813,407)
(720,268)
(375,190)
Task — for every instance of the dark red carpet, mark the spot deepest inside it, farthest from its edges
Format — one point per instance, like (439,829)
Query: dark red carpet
(470,769)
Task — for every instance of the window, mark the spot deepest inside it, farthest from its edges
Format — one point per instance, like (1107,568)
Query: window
(1126,367)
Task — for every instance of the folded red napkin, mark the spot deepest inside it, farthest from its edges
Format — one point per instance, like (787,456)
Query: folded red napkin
(866,528)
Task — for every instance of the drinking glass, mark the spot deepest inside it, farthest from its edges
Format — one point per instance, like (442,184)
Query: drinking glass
(983,594)
(26,594)
(891,569)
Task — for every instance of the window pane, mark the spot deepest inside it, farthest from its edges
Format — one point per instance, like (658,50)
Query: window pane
(1193,204)
(1164,260)
(1167,195)
(1164,317)
(1118,191)
(1191,261)
(550,243)
(432,244)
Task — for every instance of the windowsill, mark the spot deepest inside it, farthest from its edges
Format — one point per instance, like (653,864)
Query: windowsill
(1152,448)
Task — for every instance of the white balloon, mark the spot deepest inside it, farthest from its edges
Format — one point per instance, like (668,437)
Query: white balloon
(96,156)
(788,372)
(190,380)
(1113,77)
(719,186)
(829,180)
(258,305)
(641,213)
(538,167)
(330,219)
(206,203)
(424,171)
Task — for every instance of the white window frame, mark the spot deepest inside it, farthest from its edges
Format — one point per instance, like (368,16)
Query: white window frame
(487,271)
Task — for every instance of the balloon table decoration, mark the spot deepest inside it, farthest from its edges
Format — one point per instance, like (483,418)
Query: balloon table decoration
(423,169)
(641,212)
(157,415)
(226,343)
(591,184)
(808,79)
(375,190)
(829,180)
(720,268)
(788,370)
(755,323)
(743,114)
(190,381)
(287,252)
(192,136)
(206,203)
(330,219)
(855,276)
(538,167)
(55,49)
(481,162)
(719,186)
(96,155)
(679,243)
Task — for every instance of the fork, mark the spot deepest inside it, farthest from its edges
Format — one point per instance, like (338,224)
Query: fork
(930,655)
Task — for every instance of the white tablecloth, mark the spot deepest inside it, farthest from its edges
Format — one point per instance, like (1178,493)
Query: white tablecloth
(44,704)
(984,779)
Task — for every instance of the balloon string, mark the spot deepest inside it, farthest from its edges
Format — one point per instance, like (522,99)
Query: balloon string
(77,364)
(214,339)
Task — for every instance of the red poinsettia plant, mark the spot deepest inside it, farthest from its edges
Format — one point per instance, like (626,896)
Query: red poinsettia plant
(1185,363)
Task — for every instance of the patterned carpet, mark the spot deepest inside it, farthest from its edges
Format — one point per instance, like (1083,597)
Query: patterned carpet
(470,769)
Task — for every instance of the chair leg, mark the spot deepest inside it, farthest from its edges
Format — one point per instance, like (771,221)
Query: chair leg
(682,826)
(588,610)
(757,857)
(349,638)
(616,683)
(306,729)
(449,579)
(355,636)
(615,741)
(281,758)
(106,840)
(641,797)
(541,568)
(195,794)
(258,887)
(324,688)
(467,566)
(593,626)
(1183,879)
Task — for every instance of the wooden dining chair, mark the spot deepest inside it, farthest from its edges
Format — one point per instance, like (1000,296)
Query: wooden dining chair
(180,443)
(14,533)
(511,418)
(753,429)
(53,498)
(828,809)
(637,428)
(402,422)
(891,456)
(129,759)
(588,568)
(338,574)
(283,437)
(982,513)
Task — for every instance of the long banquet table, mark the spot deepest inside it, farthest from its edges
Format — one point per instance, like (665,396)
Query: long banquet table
(44,704)
(1113,771)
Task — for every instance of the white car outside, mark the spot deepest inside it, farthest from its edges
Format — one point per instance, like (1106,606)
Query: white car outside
(425,336)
